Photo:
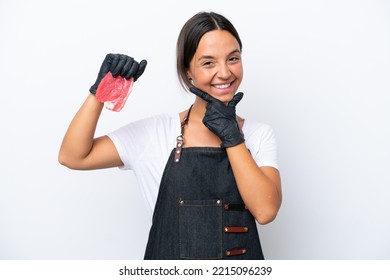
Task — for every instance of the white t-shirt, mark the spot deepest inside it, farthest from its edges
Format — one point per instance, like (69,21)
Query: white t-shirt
(144,146)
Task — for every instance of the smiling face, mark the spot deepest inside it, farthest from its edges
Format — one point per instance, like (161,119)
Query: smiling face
(216,67)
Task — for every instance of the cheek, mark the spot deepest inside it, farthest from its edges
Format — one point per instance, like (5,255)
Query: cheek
(204,76)
(237,70)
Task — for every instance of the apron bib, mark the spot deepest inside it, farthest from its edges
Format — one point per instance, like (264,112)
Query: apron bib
(199,213)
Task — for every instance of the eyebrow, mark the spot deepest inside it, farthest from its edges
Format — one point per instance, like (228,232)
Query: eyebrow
(210,56)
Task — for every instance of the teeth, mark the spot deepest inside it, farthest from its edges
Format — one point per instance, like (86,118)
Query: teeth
(222,86)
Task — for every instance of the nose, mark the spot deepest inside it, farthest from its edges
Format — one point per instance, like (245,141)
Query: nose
(224,71)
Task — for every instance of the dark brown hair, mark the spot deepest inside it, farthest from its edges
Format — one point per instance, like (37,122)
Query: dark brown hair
(190,36)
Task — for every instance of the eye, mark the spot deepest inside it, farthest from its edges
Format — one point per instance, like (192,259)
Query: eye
(234,59)
(207,63)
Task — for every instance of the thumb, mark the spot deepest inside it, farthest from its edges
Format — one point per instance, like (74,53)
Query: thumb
(141,69)
(237,98)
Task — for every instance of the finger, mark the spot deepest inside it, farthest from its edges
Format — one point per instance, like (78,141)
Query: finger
(127,67)
(205,96)
(113,61)
(105,67)
(119,66)
(141,69)
(109,58)
(237,98)
(133,70)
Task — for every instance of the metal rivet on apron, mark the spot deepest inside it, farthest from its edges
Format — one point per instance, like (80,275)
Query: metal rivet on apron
(181,202)
(177,160)
(218,202)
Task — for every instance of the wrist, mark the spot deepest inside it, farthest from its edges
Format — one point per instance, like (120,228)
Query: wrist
(233,142)
(94,102)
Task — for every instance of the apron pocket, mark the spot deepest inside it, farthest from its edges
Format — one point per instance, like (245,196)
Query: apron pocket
(200,229)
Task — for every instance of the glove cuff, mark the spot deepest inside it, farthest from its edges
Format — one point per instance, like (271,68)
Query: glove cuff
(93,89)
(233,141)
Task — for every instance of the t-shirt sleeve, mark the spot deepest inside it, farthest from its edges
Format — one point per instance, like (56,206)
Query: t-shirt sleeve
(145,140)
(260,140)
(128,140)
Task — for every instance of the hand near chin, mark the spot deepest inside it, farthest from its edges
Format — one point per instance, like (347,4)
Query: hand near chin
(221,118)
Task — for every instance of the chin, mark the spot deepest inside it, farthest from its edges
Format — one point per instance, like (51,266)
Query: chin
(225,97)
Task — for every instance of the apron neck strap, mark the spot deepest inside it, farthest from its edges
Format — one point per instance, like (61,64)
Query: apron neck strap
(180,138)
(185,121)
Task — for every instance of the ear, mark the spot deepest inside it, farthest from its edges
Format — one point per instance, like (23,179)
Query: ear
(189,76)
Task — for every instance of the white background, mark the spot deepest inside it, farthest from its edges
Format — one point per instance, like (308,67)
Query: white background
(316,71)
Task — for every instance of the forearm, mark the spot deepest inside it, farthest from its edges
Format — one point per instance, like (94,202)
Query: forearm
(78,140)
(260,189)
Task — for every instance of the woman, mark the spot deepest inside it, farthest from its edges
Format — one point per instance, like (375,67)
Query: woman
(207,174)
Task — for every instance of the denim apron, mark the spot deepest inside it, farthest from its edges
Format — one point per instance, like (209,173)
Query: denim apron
(199,213)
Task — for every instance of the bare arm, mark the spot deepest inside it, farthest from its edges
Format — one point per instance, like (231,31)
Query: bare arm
(79,149)
(259,187)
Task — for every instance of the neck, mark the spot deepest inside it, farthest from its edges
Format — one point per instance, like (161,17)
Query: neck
(198,109)
(196,134)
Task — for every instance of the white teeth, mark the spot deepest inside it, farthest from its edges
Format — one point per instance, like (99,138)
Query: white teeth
(222,86)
